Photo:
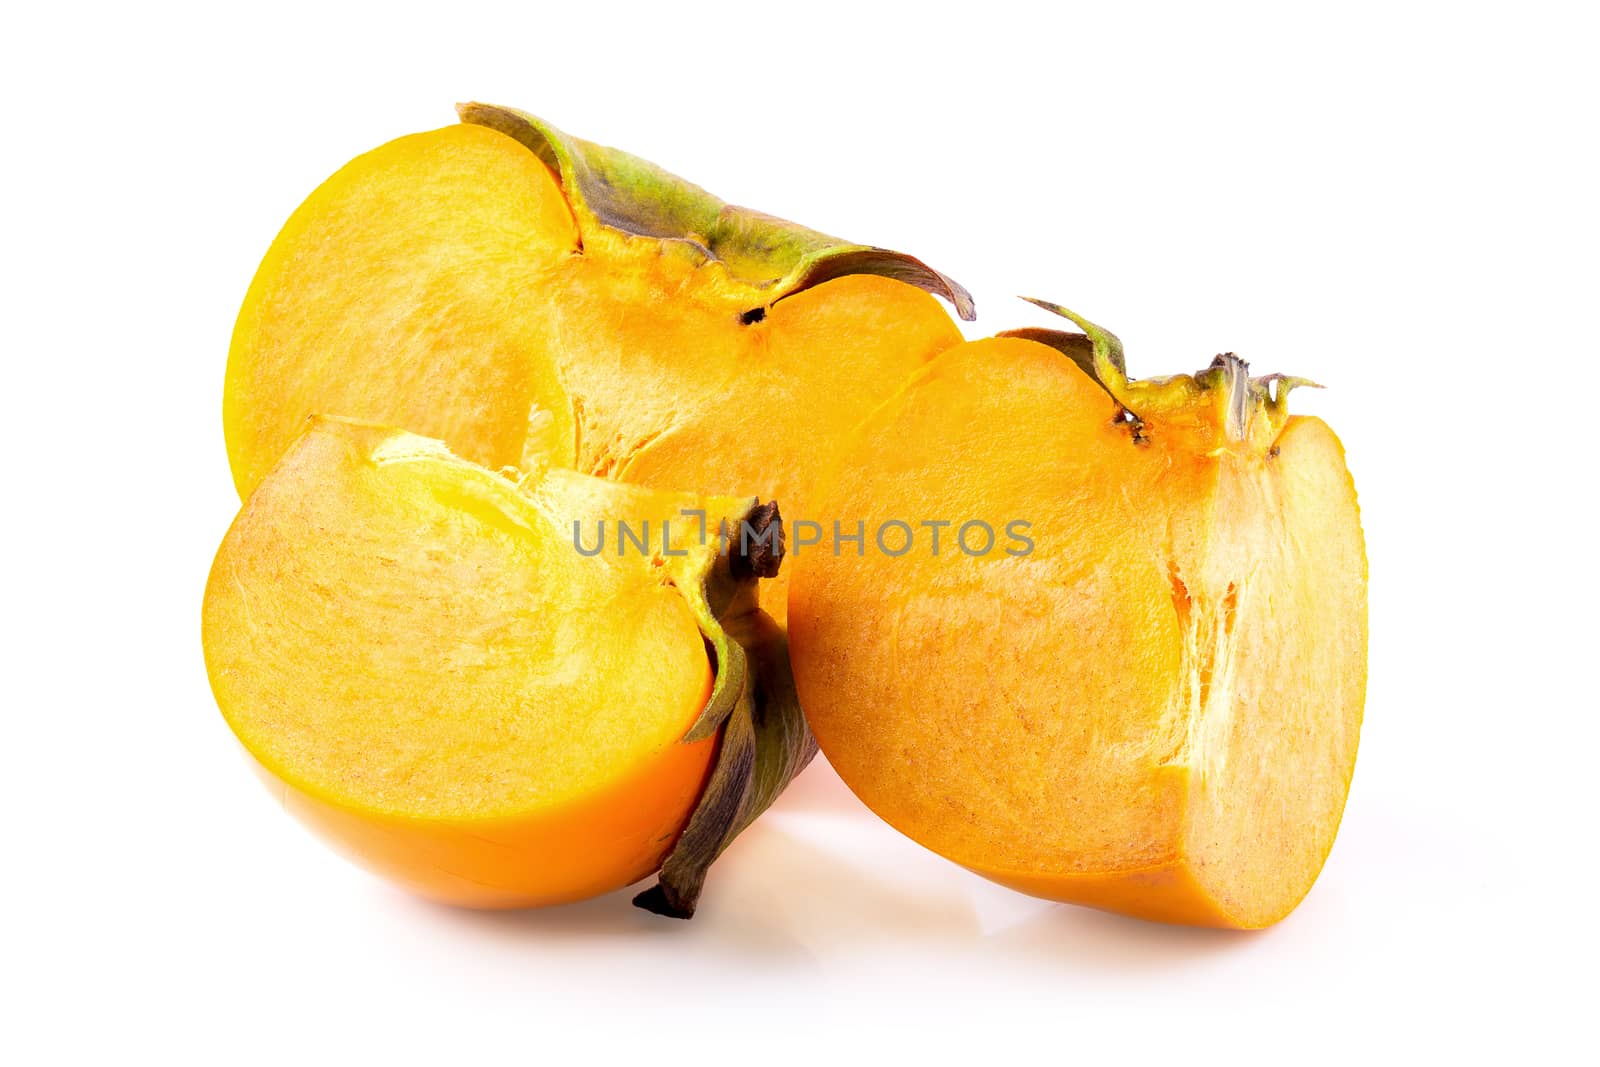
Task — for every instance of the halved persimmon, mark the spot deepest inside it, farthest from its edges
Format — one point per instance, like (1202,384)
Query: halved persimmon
(464,283)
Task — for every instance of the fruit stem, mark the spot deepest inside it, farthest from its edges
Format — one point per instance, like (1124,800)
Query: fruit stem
(1236,383)
(760,553)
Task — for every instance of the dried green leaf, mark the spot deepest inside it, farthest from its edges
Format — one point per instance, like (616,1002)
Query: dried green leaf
(635,196)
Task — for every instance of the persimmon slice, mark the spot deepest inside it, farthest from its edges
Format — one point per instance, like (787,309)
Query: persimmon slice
(1156,709)
(423,662)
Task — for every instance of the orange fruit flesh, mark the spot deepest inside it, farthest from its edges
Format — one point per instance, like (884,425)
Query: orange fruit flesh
(412,649)
(399,301)
(1156,710)
(440,283)
(690,398)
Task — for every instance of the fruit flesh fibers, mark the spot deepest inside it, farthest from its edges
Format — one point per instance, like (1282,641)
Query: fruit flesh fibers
(414,652)
(1157,710)
(439,282)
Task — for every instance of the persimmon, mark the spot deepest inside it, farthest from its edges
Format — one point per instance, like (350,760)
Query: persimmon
(437,668)
(1152,706)
(503,286)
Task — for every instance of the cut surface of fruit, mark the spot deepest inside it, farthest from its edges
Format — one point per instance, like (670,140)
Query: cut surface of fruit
(1153,705)
(394,295)
(418,654)
(454,282)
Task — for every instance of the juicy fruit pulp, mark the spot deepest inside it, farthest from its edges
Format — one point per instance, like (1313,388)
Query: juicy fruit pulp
(1156,711)
(463,283)
(420,659)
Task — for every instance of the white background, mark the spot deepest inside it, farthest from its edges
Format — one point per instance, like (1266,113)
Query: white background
(1397,200)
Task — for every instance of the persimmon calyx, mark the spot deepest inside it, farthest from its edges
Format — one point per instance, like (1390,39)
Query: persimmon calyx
(1248,410)
(765,740)
(777,258)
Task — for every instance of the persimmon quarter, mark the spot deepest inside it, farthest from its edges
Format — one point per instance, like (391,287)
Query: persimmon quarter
(429,672)
(1155,711)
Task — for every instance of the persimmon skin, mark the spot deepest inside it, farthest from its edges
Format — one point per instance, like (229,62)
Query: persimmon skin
(584,849)
(1156,711)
